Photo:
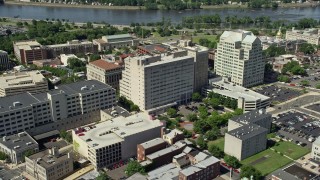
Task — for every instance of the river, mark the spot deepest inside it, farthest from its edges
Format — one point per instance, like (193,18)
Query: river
(125,17)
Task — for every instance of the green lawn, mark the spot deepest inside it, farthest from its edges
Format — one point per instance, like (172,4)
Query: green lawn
(219,142)
(269,161)
(290,149)
(196,39)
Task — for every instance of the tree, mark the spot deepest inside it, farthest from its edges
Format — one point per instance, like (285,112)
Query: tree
(232,161)
(196,97)
(192,117)
(201,126)
(304,83)
(134,167)
(102,176)
(3,156)
(307,48)
(284,78)
(203,112)
(238,111)
(273,51)
(94,57)
(213,134)
(201,142)
(215,151)
(66,136)
(318,86)
(214,103)
(134,107)
(249,171)
(171,112)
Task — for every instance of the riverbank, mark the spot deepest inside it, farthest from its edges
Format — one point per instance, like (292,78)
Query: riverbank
(286,5)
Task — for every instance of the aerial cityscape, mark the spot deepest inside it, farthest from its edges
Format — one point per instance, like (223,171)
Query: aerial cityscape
(160,90)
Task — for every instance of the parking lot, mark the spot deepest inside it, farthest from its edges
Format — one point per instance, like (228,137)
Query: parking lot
(8,174)
(299,172)
(313,77)
(278,94)
(297,127)
(314,107)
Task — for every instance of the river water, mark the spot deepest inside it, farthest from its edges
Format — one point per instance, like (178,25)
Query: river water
(125,17)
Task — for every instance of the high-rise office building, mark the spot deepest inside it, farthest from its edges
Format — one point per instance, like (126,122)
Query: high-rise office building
(239,57)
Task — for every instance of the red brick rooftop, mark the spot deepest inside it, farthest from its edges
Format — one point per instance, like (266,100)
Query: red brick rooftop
(105,65)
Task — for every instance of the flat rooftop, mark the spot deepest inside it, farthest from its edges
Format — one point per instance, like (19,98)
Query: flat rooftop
(46,160)
(20,100)
(229,89)
(251,117)
(82,87)
(169,171)
(27,45)
(117,36)
(119,111)
(247,131)
(18,141)
(70,43)
(21,79)
(152,143)
(115,130)
(178,145)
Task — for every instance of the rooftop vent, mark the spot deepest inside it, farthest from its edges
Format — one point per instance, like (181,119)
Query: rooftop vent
(17,103)
(16,147)
(28,143)
(84,88)
(21,134)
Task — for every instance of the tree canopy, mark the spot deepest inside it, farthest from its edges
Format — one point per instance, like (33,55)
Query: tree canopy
(250,173)
(232,161)
(134,167)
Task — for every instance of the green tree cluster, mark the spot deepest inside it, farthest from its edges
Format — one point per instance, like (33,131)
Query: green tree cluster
(250,172)
(228,102)
(66,136)
(134,167)
(232,161)
(273,51)
(102,176)
(3,156)
(215,151)
(127,104)
(196,97)
(307,48)
(284,78)
(294,68)
(76,65)
(208,43)
(171,112)
(201,142)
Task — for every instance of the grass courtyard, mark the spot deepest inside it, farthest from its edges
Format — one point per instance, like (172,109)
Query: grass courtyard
(268,161)
(290,149)
(218,142)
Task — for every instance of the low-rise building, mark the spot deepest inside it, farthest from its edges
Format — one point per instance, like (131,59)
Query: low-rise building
(106,72)
(28,51)
(4,61)
(116,41)
(247,99)
(15,146)
(150,147)
(172,136)
(111,141)
(311,36)
(71,47)
(21,82)
(247,134)
(49,165)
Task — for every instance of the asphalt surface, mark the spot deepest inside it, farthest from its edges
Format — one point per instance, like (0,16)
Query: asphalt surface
(279,94)
(10,174)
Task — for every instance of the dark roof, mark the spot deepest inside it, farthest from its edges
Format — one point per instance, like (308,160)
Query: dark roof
(86,86)
(155,48)
(24,99)
(121,111)
(251,117)
(44,156)
(20,139)
(247,131)
(47,134)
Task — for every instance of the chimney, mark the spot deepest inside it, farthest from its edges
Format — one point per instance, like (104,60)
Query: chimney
(68,155)
(55,151)
(162,132)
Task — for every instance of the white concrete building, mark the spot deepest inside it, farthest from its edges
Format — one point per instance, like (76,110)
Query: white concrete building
(239,57)
(4,61)
(69,106)
(111,141)
(248,100)
(315,152)
(21,82)
(156,83)
(16,145)
(115,41)
(247,134)
(311,36)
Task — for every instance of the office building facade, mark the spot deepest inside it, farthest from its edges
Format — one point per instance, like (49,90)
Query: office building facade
(68,106)
(239,57)
(311,36)
(116,41)
(106,72)
(156,83)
